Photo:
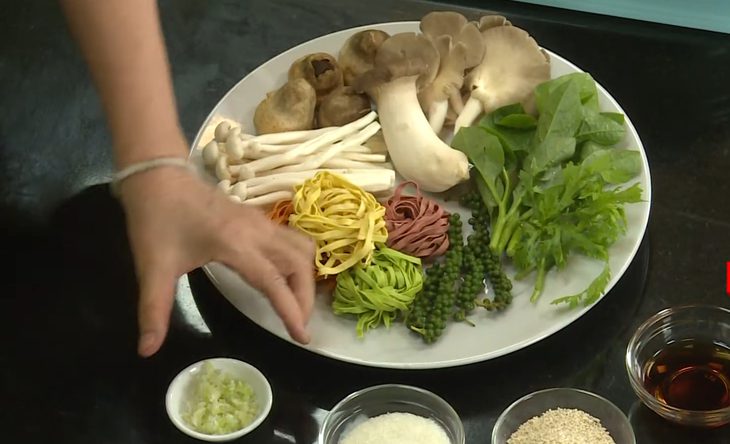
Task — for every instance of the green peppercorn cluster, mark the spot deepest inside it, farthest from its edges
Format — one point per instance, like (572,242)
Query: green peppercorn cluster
(451,288)
(433,307)
(486,262)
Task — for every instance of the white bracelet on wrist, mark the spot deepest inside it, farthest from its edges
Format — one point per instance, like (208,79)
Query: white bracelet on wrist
(146,165)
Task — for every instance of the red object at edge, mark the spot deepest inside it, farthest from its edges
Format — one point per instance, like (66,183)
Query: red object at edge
(727,279)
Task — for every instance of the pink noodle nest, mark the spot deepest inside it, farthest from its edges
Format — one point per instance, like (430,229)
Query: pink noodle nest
(416,225)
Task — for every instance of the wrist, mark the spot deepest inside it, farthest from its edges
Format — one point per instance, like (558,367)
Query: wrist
(169,143)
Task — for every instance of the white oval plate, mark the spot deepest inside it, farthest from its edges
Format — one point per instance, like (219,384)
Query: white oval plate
(495,335)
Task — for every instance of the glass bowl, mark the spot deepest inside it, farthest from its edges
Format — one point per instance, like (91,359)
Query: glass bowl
(677,325)
(537,403)
(389,398)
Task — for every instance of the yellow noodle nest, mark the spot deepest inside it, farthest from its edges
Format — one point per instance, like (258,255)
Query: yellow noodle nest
(345,221)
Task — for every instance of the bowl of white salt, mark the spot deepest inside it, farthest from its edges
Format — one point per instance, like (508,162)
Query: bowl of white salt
(392,414)
(563,416)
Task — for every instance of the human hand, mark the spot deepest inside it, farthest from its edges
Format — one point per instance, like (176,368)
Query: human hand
(177,222)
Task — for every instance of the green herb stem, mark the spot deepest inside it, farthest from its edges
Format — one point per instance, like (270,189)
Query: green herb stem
(540,282)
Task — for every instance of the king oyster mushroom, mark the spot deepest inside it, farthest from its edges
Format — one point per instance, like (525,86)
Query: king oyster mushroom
(358,52)
(405,64)
(321,70)
(290,108)
(342,106)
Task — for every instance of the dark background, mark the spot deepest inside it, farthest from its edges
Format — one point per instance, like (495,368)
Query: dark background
(68,368)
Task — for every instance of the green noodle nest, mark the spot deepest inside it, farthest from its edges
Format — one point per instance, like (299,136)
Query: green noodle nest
(377,293)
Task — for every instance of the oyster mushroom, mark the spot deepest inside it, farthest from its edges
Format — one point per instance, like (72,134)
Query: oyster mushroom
(513,65)
(321,70)
(290,108)
(342,106)
(460,47)
(358,52)
(492,21)
(404,64)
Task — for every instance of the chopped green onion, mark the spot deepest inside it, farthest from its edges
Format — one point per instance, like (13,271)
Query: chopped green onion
(220,404)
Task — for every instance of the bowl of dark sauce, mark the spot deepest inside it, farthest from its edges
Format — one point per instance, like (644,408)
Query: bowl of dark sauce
(678,363)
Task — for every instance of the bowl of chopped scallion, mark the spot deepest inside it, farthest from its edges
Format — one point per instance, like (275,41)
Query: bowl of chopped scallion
(218,399)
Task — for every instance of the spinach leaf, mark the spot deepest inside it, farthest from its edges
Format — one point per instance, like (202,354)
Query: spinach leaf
(600,128)
(519,121)
(483,150)
(513,140)
(614,166)
(587,148)
(616,117)
(586,89)
(562,113)
(551,151)
(514,116)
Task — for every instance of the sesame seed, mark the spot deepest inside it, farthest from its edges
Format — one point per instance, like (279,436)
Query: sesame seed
(561,426)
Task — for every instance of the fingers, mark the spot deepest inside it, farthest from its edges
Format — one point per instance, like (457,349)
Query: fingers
(302,284)
(299,263)
(157,291)
(263,275)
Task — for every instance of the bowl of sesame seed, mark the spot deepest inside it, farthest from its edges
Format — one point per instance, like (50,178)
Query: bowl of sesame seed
(563,416)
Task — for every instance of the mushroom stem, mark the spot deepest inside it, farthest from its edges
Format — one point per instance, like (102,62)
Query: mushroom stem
(405,129)
(362,157)
(469,114)
(437,115)
(250,169)
(456,101)
(369,180)
(347,163)
(312,162)
(301,176)
(268,199)
(290,136)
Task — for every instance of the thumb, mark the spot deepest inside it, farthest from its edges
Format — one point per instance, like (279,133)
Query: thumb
(157,291)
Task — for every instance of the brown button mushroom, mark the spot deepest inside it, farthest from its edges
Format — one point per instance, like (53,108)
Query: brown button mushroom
(290,108)
(321,70)
(342,106)
(358,52)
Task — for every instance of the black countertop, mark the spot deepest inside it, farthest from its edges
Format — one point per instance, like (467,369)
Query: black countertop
(68,368)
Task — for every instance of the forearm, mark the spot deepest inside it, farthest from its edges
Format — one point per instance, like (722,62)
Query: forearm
(123,45)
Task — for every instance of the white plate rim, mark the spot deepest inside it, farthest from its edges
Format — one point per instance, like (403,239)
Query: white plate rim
(578,313)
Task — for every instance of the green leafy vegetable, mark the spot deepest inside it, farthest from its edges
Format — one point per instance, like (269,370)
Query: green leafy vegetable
(514,140)
(562,195)
(379,292)
(590,294)
(561,113)
(600,129)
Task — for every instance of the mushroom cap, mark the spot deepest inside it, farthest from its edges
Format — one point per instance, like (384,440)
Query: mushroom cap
(512,67)
(492,21)
(405,54)
(342,106)
(358,53)
(460,46)
(448,23)
(290,108)
(321,70)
